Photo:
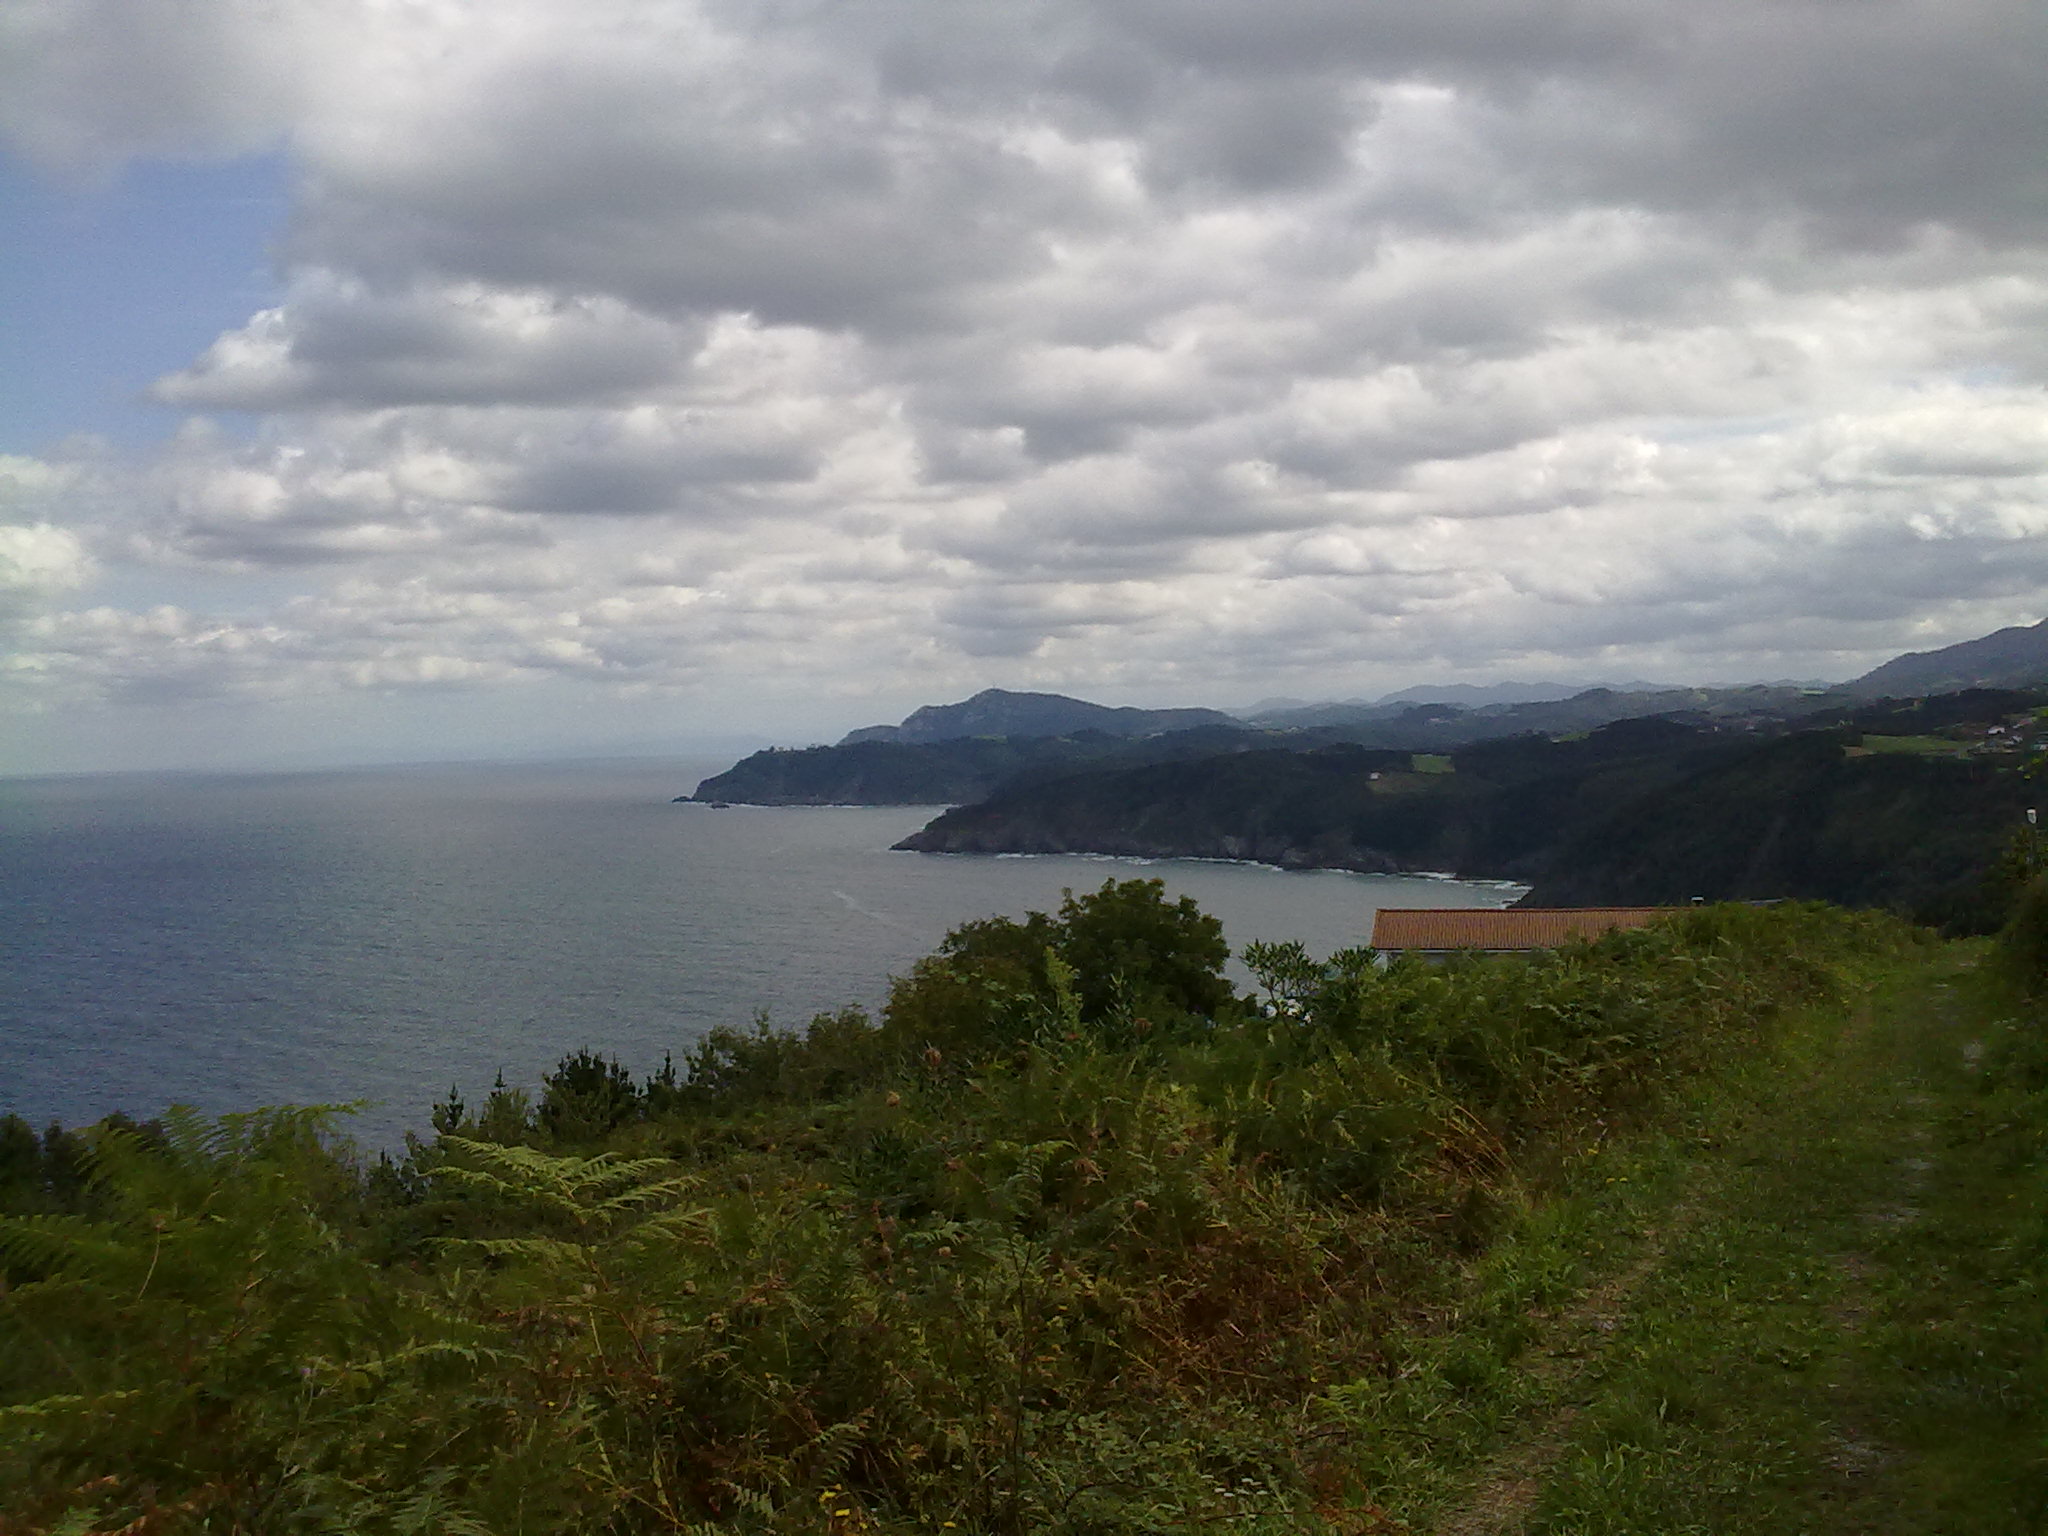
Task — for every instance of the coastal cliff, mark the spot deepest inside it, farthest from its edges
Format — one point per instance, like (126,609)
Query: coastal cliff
(1642,812)
(1335,808)
(944,772)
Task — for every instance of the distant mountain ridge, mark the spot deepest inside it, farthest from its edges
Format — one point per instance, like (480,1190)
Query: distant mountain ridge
(999,712)
(956,754)
(1298,714)
(955,770)
(1480,695)
(2008,658)
(1430,719)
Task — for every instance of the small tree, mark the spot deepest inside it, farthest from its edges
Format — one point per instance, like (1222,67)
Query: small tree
(1132,954)
(585,1098)
(1128,944)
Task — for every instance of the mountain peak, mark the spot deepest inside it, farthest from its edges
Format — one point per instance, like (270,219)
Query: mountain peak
(2015,657)
(1001,712)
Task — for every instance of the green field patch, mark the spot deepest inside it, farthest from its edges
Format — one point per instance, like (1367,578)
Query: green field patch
(1915,746)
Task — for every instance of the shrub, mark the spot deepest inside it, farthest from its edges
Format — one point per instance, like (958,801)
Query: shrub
(585,1098)
(2023,942)
(1135,962)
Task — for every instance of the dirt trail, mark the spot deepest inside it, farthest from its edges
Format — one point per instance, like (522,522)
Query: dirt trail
(1507,1488)
(1818,1337)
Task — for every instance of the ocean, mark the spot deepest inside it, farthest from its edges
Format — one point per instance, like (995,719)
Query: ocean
(377,936)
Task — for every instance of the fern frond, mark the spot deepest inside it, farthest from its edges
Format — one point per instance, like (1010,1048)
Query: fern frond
(648,1194)
(549,1252)
(515,1191)
(61,1406)
(433,1349)
(669,1227)
(429,1509)
(62,1244)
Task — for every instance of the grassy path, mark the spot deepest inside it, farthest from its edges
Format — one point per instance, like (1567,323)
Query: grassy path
(1832,1318)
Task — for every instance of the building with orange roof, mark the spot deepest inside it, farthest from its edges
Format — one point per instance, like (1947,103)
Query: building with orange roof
(1438,931)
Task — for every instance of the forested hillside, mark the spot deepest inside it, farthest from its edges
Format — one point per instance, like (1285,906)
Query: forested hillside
(945,772)
(2016,657)
(1001,712)
(1904,805)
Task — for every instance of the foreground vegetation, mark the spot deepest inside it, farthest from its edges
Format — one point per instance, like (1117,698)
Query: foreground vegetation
(1072,1239)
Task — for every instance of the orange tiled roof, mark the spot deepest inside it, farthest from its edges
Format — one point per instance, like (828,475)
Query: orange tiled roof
(1439,928)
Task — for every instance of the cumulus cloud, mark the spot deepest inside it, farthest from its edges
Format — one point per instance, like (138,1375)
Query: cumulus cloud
(1160,347)
(338,343)
(38,559)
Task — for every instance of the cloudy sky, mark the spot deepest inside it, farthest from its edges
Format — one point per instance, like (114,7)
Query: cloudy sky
(395,378)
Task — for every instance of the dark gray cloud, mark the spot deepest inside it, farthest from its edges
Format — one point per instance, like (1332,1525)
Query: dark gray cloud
(85,83)
(792,194)
(339,345)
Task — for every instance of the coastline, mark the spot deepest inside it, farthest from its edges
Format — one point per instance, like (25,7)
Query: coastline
(1448,877)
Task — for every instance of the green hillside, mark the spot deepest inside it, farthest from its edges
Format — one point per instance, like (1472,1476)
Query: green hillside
(944,772)
(2008,658)
(1900,805)
(1072,1240)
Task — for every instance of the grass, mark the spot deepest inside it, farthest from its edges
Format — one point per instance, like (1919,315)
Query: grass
(1915,746)
(1830,1323)
(1431,762)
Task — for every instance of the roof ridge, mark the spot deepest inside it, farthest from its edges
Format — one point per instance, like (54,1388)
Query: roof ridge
(1503,928)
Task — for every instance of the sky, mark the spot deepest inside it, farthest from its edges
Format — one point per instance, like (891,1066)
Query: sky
(394,379)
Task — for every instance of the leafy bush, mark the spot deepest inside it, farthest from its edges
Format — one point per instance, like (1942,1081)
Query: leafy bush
(836,1053)
(1134,961)
(2023,942)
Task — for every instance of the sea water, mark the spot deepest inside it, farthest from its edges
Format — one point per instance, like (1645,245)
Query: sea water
(378,936)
